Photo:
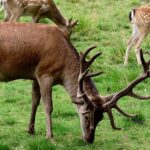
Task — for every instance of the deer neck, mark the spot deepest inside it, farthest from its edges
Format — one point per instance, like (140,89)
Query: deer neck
(71,81)
(56,16)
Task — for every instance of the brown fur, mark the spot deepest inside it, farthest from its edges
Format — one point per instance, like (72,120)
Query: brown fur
(45,55)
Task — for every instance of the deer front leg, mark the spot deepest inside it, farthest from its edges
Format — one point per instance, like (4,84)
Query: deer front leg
(46,83)
(7,16)
(137,47)
(131,41)
(7,12)
(35,102)
(36,18)
(15,14)
(124,113)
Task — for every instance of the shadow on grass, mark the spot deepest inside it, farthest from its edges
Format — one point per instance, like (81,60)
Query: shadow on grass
(4,147)
(138,119)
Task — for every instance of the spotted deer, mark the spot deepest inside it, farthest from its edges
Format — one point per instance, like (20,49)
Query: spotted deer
(22,56)
(38,9)
(140,19)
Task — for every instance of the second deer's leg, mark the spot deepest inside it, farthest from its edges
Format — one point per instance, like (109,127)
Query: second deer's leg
(35,102)
(36,18)
(15,14)
(131,41)
(137,47)
(7,13)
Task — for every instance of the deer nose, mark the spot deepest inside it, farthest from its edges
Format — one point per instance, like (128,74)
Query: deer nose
(89,138)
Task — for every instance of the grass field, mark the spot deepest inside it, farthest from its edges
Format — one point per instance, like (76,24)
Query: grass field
(104,23)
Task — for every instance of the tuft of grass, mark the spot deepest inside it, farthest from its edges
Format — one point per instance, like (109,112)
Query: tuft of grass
(4,147)
(138,119)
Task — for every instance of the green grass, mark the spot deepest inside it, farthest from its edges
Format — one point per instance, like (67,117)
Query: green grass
(104,23)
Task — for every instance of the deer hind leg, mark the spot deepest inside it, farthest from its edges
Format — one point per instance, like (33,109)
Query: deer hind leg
(137,47)
(36,18)
(15,14)
(7,13)
(7,16)
(46,83)
(35,102)
(41,13)
(131,41)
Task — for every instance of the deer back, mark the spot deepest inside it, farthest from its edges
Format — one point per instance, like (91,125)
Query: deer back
(28,49)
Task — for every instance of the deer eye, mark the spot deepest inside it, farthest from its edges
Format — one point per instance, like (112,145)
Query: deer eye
(86,118)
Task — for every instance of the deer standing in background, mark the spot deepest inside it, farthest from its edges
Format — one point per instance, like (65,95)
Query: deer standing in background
(140,19)
(38,9)
(22,56)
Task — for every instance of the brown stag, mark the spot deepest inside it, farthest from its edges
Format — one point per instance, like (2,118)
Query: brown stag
(45,55)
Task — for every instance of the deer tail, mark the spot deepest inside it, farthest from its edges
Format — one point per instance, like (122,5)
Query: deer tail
(132,15)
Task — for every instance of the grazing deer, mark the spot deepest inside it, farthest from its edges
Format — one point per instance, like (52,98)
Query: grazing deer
(38,9)
(140,19)
(22,56)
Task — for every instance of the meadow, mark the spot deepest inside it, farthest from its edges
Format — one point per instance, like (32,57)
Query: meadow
(103,23)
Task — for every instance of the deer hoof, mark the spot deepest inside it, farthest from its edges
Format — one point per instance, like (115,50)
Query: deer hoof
(116,128)
(31,131)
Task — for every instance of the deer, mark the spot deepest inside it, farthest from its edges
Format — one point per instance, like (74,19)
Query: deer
(51,59)
(38,9)
(140,19)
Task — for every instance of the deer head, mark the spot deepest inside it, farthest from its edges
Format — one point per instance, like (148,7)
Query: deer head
(92,108)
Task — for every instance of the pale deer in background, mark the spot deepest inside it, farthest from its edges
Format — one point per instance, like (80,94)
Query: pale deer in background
(140,19)
(45,55)
(14,9)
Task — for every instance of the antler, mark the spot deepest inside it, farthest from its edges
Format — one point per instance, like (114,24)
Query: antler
(145,64)
(111,101)
(84,74)
(128,91)
(70,25)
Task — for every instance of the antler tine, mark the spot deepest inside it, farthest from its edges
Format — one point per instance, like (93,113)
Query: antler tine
(92,59)
(74,23)
(111,118)
(123,113)
(132,94)
(84,73)
(80,80)
(71,23)
(93,75)
(144,63)
(128,91)
(86,53)
(85,64)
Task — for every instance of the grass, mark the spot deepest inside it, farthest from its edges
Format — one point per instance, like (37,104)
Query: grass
(104,23)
